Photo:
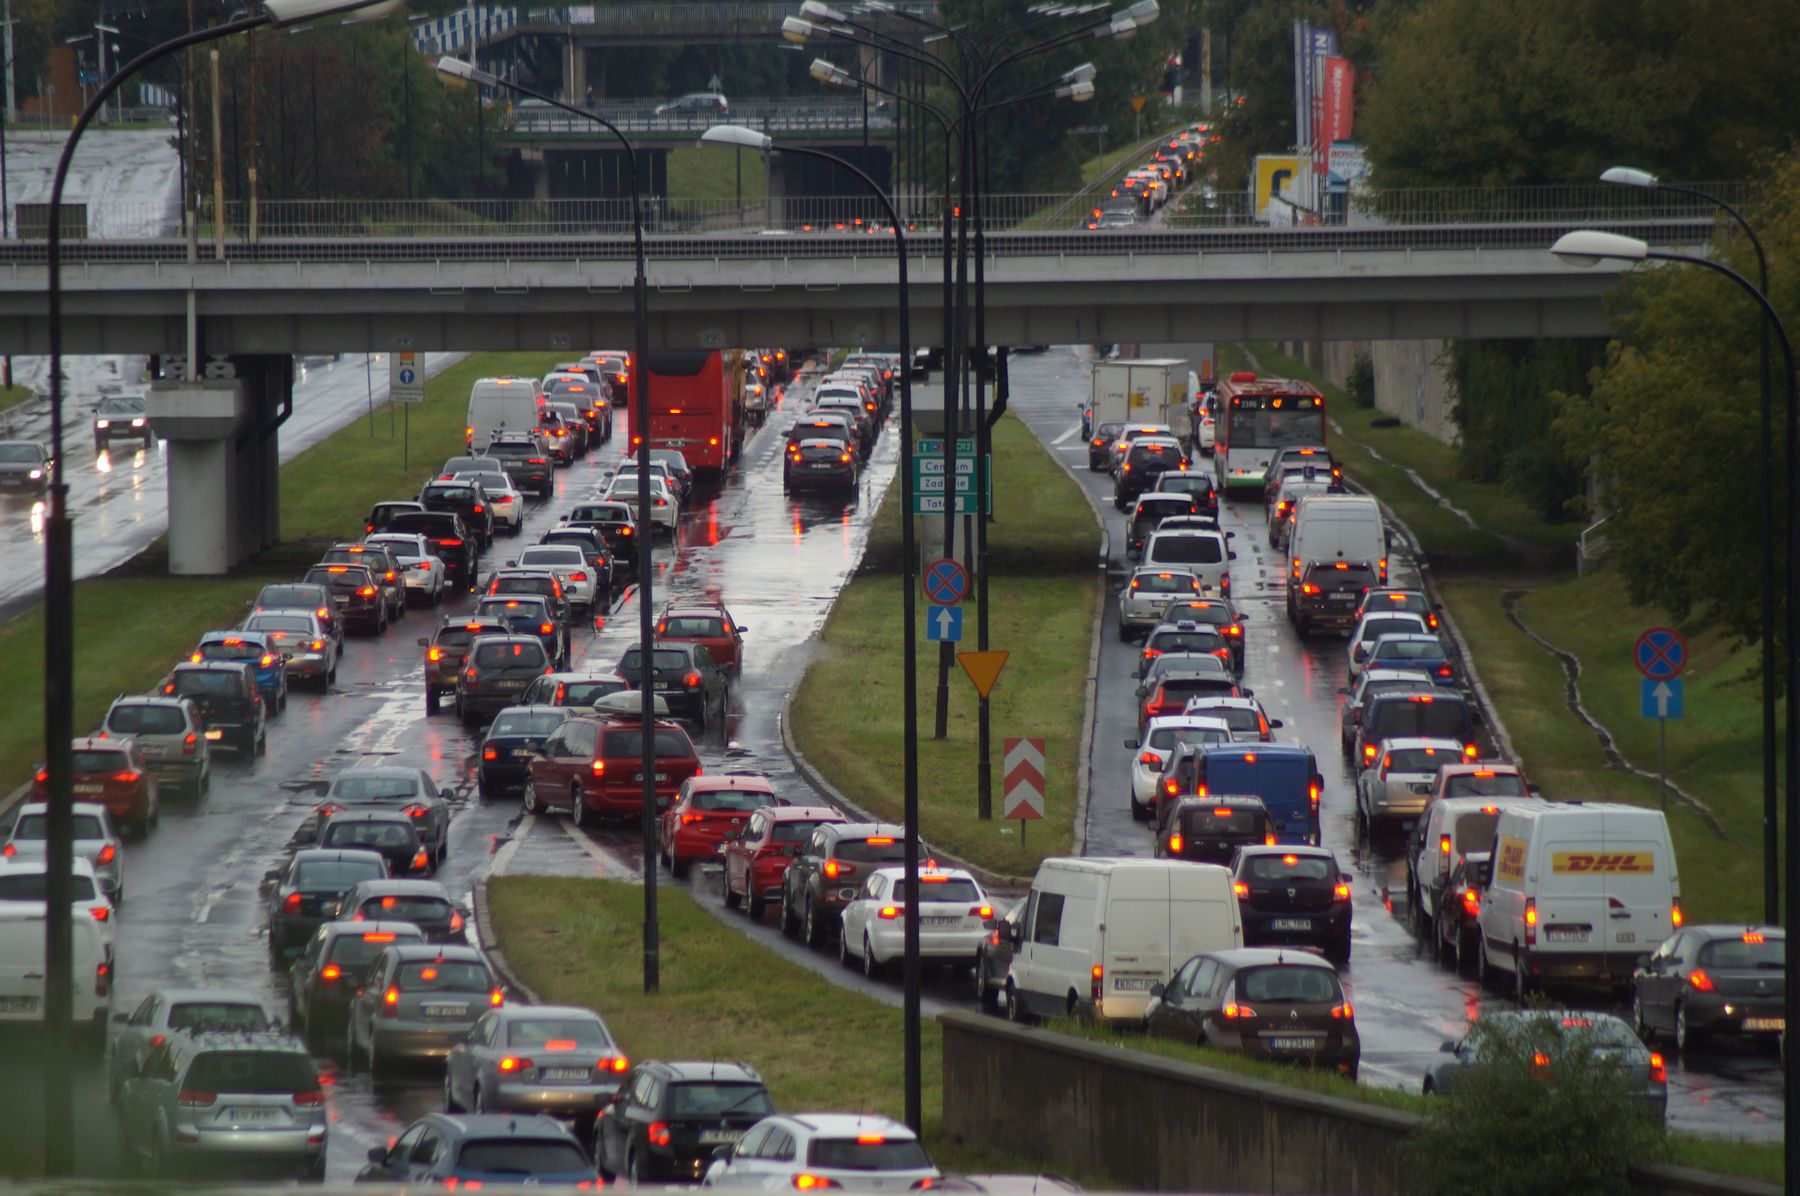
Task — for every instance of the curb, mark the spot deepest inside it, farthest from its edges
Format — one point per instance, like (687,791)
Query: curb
(490,945)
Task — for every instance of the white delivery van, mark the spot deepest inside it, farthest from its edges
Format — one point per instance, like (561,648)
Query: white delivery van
(1578,891)
(1452,828)
(22,970)
(1097,933)
(511,405)
(1337,527)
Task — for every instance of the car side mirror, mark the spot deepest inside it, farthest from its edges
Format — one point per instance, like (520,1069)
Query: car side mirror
(1275,724)
(1156,990)
(1143,691)
(1231,555)
(270,877)
(1243,618)
(722,1154)
(377,1154)
(742,629)
(1131,743)
(121,1018)
(1534,791)
(1342,690)
(424,641)
(1447,1048)
(1643,962)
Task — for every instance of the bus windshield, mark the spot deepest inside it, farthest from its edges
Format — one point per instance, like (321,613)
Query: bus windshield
(1265,426)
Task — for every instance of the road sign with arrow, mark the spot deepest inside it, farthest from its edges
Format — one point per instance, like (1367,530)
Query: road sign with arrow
(944,624)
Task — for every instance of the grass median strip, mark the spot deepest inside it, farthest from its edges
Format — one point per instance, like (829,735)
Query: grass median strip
(1042,593)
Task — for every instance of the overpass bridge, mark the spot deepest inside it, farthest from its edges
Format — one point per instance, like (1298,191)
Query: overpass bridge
(632,23)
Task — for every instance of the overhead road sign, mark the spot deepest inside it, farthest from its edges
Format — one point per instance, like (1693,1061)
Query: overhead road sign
(944,624)
(1661,654)
(946,581)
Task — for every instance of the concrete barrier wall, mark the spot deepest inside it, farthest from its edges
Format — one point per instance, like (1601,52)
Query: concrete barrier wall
(1155,1124)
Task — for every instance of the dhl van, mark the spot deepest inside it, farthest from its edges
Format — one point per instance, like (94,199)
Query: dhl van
(1577,891)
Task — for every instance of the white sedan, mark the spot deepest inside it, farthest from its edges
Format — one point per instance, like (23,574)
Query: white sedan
(954,917)
(665,509)
(1152,752)
(420,568)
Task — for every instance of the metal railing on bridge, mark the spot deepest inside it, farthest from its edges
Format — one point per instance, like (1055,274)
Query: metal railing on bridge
(533,118)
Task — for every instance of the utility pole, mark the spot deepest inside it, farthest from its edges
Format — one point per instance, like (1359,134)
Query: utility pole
(12,106)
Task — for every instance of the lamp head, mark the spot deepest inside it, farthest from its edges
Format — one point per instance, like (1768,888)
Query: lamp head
(817,10)
(799,30)
(1589,247)
(736,135)
(1079,93)
(1122,29)
(830,73)
(289,12)
(1144,12)
(1630,176)
(1080,74)
(456,68)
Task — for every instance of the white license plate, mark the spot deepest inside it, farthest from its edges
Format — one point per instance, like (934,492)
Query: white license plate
(660,777)
(89,787)
(244,1115)
(1291,924)
(445,1010)
(215,733)
(1343,596)
(1566,934)
(940,922)
(1132,984)
(509,685)
(1293,1044)
(713,1137)
(18,1004)
(565,1073)
(1766,1023)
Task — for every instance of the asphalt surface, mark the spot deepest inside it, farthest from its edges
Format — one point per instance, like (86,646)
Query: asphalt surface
(1406,1005)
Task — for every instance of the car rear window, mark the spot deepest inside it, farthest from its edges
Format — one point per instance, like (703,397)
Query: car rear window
(1165,738)
(1419,759)
(708,1099)
(521,722)
(360,949)
(408,907)
(1768,954)
(1238,718)
(91,760)
(31,826)
(1357,577)
(1165,583)
(670,658)
(1292,867)
(280,596)
(941,888)
(671,744)
(578,1031)
(448,494)
(1298,985)
(289,623)
(870,850)
(731,799)
(694,627)
(522,1156)
(864,1154)
(1409,650)
(1401,715)
(509,655)
(1177,689)
(586,693)
(369,834)
(242,650)
(793,832)
(341,873)
(1189,550)
(357,788)
(146,720)
(1494,784)
(203,682)
(1213,821)
(1188,641)
(1475,831)
(444,976)
(220,1015)
(553,554)
(1376,628)
(251,1072)
(29,886)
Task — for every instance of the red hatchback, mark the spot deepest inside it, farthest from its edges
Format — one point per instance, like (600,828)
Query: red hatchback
(711,626)
(594,767)
(757,858)
(706,809)
(110,772)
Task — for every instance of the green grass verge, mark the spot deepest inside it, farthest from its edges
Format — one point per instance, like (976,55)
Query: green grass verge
(706,172)
(326,490)
(12,396)
(847,711)
(1752,1160)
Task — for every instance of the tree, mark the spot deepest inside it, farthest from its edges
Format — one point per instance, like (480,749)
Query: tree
(1671,428)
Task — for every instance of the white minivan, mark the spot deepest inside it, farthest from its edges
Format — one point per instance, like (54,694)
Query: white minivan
(1097,933)
(514,406)
(22,971)
(1578,891)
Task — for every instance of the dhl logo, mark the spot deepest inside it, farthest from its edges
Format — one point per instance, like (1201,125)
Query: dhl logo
(1639,862)
(1512,860)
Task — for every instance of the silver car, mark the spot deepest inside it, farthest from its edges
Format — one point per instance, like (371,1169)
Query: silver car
(421,569)
(417,1002)
(556,1059)
(179,1011)
(96,841)
(311,649)
(1397,788)
(1148,593)
(579,581)
(170,737)
(239,1102)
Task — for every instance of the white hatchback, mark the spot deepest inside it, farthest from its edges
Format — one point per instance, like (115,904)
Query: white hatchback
(809,1151)
(1151,753)
(954,919)
(665,508)
(1372,627)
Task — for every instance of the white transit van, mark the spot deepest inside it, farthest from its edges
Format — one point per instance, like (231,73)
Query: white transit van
(511,405)
(22,971)
(1097,933)
(1578,891)
(1337,527)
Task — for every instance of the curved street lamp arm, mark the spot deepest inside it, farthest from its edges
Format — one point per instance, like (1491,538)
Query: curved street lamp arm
(1762,261)
(1770,315)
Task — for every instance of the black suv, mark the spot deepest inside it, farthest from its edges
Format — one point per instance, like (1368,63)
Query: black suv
(1146,461)
(451,539)
(1328,593)
(667,1119)
(229,701)
(445,651)
(467,500)
(615,523)
(355,593)
(830,871)
(525,462)
(685,676)
(496,672)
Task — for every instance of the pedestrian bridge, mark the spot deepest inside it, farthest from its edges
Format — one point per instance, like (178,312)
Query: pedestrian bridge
(322,294)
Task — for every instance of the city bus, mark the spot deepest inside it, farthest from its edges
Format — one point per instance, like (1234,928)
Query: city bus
(1255,417)
(697,406)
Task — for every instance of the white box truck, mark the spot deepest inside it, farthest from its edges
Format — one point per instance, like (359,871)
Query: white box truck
(1097,933)
(1145,390)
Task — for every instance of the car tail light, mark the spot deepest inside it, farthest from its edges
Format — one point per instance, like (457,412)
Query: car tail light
(195,1098)
(1150,760)
(1241,889)
(311,1099)
(690,819)
(490,753)
(1175,843)
(805,1181)
(835,869)
(1236,1012)
(102,978)
(291,903)
(888,912)
(1675,913)
(1308,588)
(100,913)
(190,743)
(469,673)
(1097,979)
(496,998)
(1531,921)
(983,912)
(367,591)
(43,775)
(513,1063)
(331,972)
(616,1063)
(1340,891)
(456,923)
(420,860)
(691,680)
(1444,671)
(1368,753)
(390,1003)
(108,853)
(128,776)
(1471,902)
(1344,1013)
(546,628)
(1659,1072)
(325,611)
(658,1133)
(1700,982)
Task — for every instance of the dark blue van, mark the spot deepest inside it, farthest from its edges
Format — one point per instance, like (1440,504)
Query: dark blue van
(1284,775)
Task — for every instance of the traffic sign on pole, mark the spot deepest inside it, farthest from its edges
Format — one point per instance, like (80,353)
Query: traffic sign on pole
(944,624)
(1662,699)
(983,668)
(946,581)
(1661,654)
(933,504)
(405,383)
(1022,792)
(928,447)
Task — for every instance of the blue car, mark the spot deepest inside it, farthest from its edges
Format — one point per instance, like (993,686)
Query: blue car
(481,1148)
(1424,652)
(1284,775)
(258,649)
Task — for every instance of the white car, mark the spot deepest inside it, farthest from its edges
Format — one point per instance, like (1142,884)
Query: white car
(504,499)
(953,919)
(96,841)
(420,568)
(1398,787)
(1202,551)
(1161,736)
(1147,595)
(579,582)
(1372,627)
(803,1151)
(665,509)
(22,883)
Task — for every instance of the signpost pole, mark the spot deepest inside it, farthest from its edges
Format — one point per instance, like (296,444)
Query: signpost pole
(1662,761)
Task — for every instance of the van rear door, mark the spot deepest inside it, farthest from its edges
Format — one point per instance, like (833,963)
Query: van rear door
(1636,875)
(1135,951)
(1571,895)
(1204,912)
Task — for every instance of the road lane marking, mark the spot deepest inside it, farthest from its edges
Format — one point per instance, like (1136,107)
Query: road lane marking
(1075,431)
(609,862)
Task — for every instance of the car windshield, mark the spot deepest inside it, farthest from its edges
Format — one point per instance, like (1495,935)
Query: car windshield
(693,626)
(121,405)
(373,788)
(1165,583)
(336,873)
(252,1072)
(671,744)
(91,760)
(868,1152)
(220,1015)
(1189,550)
(503,654)
(1752,950)
(710,1099)
(29,886)
(577,1031)
(1292,985)
(522,1156)
(939,888)
(1292,867)
(525,722)
(369,834)
(1419,759)
(444,976)
(408,907)
(31,826)
(731,799)
(358,950)
(20,454)
(1485,784)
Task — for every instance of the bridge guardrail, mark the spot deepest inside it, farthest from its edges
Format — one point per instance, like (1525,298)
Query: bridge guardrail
(641,116)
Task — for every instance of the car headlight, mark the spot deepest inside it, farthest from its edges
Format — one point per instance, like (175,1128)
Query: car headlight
(103,423)
(35,474)
(137,423)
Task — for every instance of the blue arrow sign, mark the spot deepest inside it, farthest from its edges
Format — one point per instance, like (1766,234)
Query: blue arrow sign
(1662,699)
(407,377)
(944,624)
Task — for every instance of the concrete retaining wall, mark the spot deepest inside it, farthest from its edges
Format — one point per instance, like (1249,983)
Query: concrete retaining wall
(1410,381)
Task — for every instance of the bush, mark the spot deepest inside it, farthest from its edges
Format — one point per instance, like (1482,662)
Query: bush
(1361,381)
(1546,1108)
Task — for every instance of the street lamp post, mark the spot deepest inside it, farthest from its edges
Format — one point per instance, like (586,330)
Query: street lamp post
(59,594)
(1626,176)
(456,68)
(1587,247)
(737,135)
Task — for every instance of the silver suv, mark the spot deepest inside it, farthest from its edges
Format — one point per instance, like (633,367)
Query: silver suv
(169,735)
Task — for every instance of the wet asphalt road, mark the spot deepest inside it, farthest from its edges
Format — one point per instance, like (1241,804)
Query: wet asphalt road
(1405,1003)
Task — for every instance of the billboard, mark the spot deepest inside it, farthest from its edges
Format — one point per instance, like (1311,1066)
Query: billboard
(1272,178)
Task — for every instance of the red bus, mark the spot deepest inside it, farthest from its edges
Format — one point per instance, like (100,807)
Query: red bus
(697,406)
(1255,418)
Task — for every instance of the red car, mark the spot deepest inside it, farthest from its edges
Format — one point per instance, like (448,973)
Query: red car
(706,809)
(110,772)
(708,624)
(758,857)
(593,767)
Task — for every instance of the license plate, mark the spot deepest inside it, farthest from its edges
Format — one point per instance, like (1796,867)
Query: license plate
(18,1004)
(1766,1023)
(660,777)
(714,1137)
(939,921)
(89,787)
(1345,596)
(1132,984)
(215,733)
(446,1010)
(509,685)
(1420,787)
(243,1115)
(1293,1044)
(151,749)
(1566,934)
(341,599)
(565,1073)
(820,465)
(1291,924)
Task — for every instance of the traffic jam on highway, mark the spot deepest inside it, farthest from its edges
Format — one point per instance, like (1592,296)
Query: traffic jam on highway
(298,985)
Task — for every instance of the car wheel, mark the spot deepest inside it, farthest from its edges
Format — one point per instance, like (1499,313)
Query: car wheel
(529,800)
(262,742)
(1521,987)
(1139,811)
(373,1059)
(482,790)
(872,967)
(1015,1008)
(432,700)
(986,999)
(634,1167)
(678,867)
(726,893)
(1124,634)
(578,809)
(813,932)
(1686,1036)
(1639,1022)
(843,952)
(1484,971)
(789,924)
(450,1102)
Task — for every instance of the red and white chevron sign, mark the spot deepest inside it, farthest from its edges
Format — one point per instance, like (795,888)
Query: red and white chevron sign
(1022,792)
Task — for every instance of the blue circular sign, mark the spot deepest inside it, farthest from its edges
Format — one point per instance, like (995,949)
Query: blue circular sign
(1661,654)
(945,582)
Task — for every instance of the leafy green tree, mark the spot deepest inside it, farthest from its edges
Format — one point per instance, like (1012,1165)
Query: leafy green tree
(1506,401)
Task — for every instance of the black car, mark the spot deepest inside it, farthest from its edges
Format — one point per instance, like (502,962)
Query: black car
(667,1119)
(468,501)
(121,417)
(454,544)
(229,701)
(1213,612)
(530,614)
(1146,462)
(495,672)
(1151,509)
(382,514)
(994,956)
(1100,442)
(1197,485)
(1327,594)
(1293,895)
(1457,926)
(294,595)
(303,894)
(445,1150)
(685,676)
(1208,830)
(390,835)
(615,523)
(830,871)
(424,903)
(331,968)
(1707,981)
(512,739)
(817,463)
(355,593)
(525,462)
(24,467)
(382,564)
(445,651)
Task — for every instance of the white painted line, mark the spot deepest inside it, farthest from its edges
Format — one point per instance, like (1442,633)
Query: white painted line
(1075,431)
(510,848)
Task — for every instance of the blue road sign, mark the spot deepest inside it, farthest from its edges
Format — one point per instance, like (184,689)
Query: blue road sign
(945,581)
(1661,653)
(407,377)
(1662,699)
(944,624)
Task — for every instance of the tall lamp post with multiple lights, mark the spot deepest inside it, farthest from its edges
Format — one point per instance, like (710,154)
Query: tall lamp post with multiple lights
(456,68)
(59,589)
(1588,247)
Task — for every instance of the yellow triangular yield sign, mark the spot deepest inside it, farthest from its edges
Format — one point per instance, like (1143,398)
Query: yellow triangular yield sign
(983,668)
